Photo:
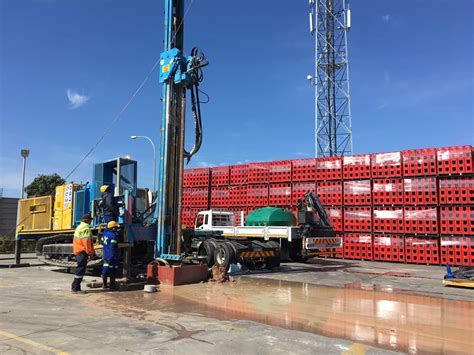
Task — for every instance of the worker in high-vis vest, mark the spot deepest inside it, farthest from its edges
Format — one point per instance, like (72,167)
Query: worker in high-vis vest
(83,249)
(111,254)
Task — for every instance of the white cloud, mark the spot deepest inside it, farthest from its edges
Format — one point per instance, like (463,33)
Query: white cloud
(75,99)
(386,18)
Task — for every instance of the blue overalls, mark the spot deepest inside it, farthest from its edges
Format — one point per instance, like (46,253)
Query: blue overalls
(111,256)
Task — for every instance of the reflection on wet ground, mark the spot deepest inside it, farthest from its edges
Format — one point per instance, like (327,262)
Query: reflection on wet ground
(397,321)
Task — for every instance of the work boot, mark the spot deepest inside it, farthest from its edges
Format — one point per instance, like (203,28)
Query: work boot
(113,284)
(104,282)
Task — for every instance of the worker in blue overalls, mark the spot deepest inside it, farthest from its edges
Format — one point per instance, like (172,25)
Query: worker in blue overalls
(111,254)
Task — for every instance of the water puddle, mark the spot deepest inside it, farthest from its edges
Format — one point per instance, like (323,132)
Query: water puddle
(391,320)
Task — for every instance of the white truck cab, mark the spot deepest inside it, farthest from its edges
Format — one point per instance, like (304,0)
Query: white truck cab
(208,220)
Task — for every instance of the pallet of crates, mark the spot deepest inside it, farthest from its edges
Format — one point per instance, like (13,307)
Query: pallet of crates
(387,207)
(303,180)
(456,193)
(329,188)
(387,196)
(421,211)
(356,201)
(258,186)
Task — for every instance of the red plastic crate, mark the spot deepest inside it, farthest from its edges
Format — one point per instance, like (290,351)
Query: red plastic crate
(389,247)
(195,197)
(357,192)
(356,167)
(358,219)
(258,173)
(457,190)
(387,164)
(420,191)
(421,220)
(280,194)
(457,251)
(388,219)
(422,250)
(335,215)
(357,246)
(304,169)
(419,162)
(280,171)
(238,195)
(455,160)
(196,177)
(329,168)
(220,176)
(220,196)
(330,192)
(299,189)
(457,220)
(239,174)
(257,195)
(387,191)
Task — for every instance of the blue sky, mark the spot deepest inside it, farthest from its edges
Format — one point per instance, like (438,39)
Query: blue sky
(68,66)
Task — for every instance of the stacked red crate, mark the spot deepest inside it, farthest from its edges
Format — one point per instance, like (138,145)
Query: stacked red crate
(357,219)
(280,195)
(280,171)
(335,215)
(257,195)
(258,173)
(356,167)
(195,197)
(330,192)
(239,174)
(357,193)
(358,246)
(456,190)
(196,177)
(220,176)
(220,196)
(238,195)
(389,247)
(421,220)
(422,250)
(455,160)
(456,250)
(188,215)
(329,168)
(419,162)
(387,164)
(457,220)
(420,191)
(304,170)
(388,219)
(387,191)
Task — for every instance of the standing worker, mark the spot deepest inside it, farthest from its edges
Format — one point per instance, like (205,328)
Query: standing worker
(109,205)
(111,254)
(83,249)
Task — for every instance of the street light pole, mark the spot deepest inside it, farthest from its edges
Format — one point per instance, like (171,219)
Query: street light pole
(154,158)
(24,153)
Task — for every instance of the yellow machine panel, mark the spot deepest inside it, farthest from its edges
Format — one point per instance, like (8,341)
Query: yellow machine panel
(35,213)
(63,206)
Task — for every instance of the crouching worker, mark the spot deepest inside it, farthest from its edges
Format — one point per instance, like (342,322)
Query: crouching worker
(83,249)
(111,254)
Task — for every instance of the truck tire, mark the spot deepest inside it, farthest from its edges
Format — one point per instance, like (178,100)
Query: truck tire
(224,255)
(207,249)
(272,263)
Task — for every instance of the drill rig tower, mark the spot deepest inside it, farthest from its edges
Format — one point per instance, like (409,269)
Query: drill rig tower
(329,23)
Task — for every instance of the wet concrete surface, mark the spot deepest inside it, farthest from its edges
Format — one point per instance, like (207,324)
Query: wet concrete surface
(390,320)
(322,307)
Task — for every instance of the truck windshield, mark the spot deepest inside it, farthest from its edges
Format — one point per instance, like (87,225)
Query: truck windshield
(199,220)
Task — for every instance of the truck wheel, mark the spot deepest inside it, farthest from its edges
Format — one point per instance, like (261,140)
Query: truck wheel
(272,262)
(223,255)
(207,249)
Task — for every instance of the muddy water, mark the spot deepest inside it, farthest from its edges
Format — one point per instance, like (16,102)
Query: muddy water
(402,322)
